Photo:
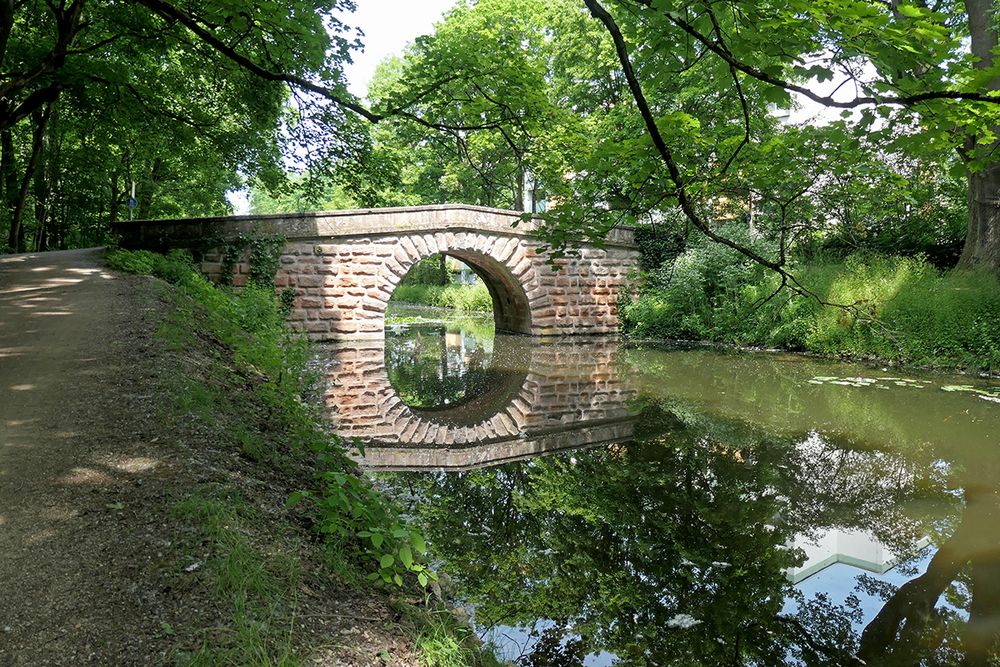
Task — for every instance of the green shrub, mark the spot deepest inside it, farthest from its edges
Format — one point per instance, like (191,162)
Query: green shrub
(427,272)
(897,308)
(463,298)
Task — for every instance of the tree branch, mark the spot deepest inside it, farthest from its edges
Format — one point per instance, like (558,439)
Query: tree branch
(719,48)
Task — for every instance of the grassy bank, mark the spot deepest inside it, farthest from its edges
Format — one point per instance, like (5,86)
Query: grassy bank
(900,310)
(462,298)
(295,552)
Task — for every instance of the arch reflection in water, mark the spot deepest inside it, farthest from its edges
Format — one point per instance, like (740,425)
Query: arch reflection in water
(461,404)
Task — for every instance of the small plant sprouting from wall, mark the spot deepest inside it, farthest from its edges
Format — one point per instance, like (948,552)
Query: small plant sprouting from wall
(262,252)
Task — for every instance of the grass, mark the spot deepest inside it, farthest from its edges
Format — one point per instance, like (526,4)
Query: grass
(443,641)
(900,310)
(462,298)
(245,379)
(261,586)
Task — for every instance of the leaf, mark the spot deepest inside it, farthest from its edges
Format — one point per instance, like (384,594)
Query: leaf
(387,561)
(417,540)
(910,11)
(406,557)
(778,96)
(422,578)
(377,540)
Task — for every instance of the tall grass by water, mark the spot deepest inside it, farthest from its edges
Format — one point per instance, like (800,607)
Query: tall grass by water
(463,298)
(898,309)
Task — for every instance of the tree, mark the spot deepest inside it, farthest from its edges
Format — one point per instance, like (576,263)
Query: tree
(916,51)
(97,95)
(704,146)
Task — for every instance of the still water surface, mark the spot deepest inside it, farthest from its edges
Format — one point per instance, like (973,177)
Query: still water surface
(605,505)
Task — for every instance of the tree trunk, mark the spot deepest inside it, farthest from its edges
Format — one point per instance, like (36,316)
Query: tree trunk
(6,27)
(113,210)
(519,190)
(15,238)
(41,195)
(146,196)
(982,241)
(8,177)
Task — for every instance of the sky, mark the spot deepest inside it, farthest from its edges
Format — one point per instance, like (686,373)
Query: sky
(388,26)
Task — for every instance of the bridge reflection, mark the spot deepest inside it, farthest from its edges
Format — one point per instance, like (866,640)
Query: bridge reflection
(523,399)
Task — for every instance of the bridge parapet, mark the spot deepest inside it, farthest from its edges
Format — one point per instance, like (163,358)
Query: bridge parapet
(344,265)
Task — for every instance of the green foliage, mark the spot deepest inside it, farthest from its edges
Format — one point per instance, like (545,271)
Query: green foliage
(463,298)
(444,642)
(262,253)
(427,271)
(298,192)
(144,98)
(897,309)
(260,585)
(248,324)
(354,516)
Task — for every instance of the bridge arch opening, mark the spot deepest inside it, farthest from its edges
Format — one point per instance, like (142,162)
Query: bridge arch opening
(511,311)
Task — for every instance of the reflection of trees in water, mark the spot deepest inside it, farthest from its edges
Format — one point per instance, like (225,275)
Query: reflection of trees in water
(427,372)
(620,545)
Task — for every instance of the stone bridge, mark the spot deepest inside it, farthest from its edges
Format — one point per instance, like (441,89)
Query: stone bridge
(344,265)
(542,398)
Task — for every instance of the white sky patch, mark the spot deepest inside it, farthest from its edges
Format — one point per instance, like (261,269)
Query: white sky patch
(388,26)
(682,621)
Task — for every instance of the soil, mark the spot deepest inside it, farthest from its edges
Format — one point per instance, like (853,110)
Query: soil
(90,469)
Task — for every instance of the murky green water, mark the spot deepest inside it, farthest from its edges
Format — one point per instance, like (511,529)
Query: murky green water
(601,505)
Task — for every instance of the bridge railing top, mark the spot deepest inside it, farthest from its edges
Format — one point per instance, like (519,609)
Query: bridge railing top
(340,224)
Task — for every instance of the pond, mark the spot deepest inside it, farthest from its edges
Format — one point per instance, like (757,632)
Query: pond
(599,504)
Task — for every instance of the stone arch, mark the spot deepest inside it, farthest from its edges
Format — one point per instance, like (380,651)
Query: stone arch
(502,262)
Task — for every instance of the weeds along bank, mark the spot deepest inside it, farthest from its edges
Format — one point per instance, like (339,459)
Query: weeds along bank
(461,298)
(250,386)
(899,309)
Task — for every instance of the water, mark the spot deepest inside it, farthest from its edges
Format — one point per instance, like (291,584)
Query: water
(600,505)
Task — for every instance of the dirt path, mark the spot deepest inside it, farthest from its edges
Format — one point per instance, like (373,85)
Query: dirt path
(94,459)
(73,460)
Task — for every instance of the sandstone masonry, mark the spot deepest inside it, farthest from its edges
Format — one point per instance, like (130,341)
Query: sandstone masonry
(344,265)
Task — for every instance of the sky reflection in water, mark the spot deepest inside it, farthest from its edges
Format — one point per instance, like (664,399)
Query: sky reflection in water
(660,506)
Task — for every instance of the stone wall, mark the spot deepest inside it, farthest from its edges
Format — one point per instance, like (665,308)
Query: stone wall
(344,266)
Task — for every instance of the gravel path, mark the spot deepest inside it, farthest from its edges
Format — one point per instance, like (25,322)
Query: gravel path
(75,554)
(92,465)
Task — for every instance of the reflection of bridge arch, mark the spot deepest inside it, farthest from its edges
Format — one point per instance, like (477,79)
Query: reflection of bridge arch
(565,396)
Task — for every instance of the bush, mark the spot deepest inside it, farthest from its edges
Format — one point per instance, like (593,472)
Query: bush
(427,272)
(900,309)
(463,298)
